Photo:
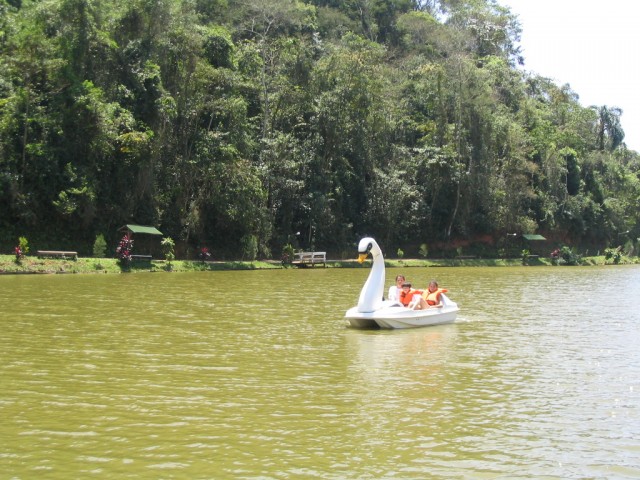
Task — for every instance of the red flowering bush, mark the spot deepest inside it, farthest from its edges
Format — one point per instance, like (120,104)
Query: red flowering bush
(124,250)
(204,254)
(21,249)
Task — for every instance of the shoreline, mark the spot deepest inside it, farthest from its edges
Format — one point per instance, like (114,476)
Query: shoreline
(91,265)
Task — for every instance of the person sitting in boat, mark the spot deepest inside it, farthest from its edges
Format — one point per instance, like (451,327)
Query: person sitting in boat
(430,298)
(407,294)
(394,290)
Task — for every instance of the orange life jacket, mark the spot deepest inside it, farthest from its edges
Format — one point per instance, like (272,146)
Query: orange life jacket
(433,298)
(406,297)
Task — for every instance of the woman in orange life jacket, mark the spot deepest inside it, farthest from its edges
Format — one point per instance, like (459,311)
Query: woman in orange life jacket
(430,298)
(407,293)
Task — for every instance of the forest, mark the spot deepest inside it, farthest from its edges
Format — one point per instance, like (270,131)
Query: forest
(242,126)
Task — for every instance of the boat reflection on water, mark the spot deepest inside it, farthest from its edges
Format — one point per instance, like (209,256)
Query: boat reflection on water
(399,379)
(384,355)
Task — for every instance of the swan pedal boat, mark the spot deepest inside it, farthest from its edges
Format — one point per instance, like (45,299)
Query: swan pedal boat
(395,315)
(374,312)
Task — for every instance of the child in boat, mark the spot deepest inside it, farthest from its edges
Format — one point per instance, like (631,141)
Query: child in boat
(430,298)
(407,294)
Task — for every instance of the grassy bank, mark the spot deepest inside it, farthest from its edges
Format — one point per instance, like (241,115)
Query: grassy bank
(32,264)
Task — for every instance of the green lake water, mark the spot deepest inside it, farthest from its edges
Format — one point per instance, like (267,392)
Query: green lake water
(254,375)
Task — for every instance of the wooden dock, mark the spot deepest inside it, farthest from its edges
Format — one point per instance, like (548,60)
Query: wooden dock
(310,259)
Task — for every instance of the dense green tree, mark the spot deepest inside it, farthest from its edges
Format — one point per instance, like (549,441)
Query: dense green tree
(243,125)
(609,131)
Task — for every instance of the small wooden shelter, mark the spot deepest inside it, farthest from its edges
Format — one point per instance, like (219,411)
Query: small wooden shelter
(144,244)
(532,237)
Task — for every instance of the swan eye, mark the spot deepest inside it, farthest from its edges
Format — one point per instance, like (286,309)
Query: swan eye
(369,247)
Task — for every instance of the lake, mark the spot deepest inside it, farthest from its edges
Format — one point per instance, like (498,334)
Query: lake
(254,375)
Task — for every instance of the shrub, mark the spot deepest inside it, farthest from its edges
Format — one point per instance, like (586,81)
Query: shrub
(99,246)
(424,250)
(168,246)
(23,243)
(569,256)
(614,254)
(288,253)
(249,245)
(400,253)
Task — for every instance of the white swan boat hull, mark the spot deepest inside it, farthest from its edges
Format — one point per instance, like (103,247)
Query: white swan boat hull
(394,315)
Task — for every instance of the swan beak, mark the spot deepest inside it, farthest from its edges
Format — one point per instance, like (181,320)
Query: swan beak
(362,257)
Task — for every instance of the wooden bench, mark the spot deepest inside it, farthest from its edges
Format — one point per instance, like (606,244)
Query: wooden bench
(141,258)
(305,259)
(57,254)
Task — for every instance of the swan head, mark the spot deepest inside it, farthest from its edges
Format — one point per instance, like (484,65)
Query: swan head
(368,246)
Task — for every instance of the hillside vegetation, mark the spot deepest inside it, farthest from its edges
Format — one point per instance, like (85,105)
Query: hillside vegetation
(246,125)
